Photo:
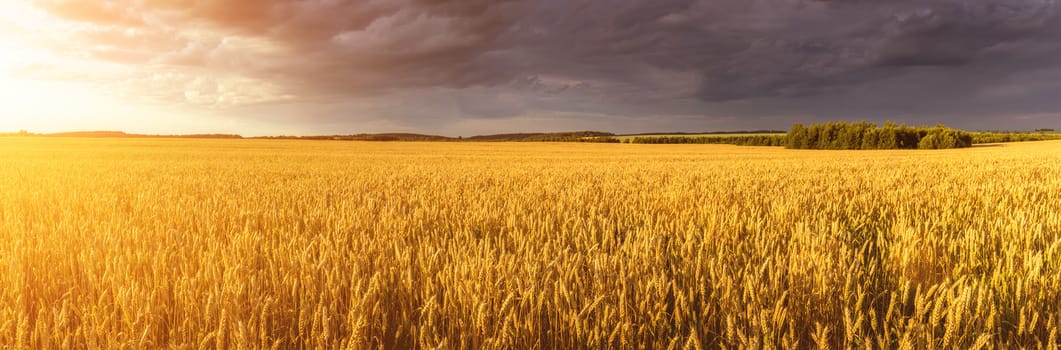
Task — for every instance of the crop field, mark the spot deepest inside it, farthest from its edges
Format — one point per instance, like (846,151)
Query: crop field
(257,244)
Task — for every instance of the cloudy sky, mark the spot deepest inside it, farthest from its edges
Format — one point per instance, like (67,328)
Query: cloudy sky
(463,67)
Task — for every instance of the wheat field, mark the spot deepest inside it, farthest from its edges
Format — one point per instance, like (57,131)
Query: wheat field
(255,244)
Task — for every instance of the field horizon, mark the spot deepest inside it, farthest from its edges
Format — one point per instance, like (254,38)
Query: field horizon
(433,137)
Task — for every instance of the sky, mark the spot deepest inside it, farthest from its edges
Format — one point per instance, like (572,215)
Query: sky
(466,67)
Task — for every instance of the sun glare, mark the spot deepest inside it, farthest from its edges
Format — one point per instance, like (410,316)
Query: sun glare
(42,90)
(19,95)
(28,103)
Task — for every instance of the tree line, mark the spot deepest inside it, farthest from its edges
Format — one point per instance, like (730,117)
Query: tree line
(999,137)
(864,135)
(750,140)
(572,136)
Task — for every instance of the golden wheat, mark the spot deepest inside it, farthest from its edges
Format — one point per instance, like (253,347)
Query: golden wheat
(239,244)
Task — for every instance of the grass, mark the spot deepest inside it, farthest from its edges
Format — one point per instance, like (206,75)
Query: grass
(145,243)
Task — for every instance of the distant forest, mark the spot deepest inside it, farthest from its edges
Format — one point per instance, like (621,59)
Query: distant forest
(860,135)
(830,135)
(574,136)
(863,135)
(749,140)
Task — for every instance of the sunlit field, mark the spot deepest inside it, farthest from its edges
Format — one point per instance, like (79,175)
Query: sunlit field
(140,243)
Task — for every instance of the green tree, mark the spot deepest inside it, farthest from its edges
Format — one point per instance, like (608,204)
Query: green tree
(870,138)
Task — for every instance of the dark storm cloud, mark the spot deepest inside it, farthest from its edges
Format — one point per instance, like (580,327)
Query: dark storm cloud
(620,57)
